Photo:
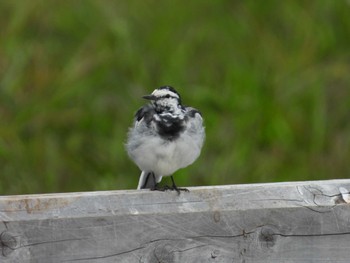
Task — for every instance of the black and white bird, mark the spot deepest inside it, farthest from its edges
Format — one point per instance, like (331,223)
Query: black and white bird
(166,136)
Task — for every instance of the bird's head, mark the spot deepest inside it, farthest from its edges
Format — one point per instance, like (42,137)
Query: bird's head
(165,98)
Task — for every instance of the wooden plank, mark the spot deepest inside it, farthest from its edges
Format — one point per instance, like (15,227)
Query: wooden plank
(277,222)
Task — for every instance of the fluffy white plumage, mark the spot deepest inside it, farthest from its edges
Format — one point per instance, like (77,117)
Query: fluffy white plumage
(166,136)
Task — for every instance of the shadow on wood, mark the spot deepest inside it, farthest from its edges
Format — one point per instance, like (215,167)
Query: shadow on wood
(277,222)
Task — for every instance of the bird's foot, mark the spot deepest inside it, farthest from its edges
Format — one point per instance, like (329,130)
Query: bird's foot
(178,189)
(164,188)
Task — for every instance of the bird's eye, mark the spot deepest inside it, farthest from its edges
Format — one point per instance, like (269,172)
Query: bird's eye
(167,96)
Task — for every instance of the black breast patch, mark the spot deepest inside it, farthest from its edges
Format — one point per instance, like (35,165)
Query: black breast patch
(170,127)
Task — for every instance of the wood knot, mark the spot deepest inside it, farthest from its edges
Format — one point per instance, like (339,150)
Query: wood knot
(267,237)
(215,253)
(216,216)
(161,251)
(8,243)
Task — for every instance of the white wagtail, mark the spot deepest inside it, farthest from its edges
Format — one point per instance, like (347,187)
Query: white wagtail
(166,136)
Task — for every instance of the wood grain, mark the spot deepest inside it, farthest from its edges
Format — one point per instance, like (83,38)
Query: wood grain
(277,222)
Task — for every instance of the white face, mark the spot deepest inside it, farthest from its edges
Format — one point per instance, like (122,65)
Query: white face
(164,92)
(167,99)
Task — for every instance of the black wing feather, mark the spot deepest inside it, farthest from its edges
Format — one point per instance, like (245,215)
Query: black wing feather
(146,113)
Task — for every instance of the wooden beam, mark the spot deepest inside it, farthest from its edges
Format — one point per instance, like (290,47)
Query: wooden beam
(276,222)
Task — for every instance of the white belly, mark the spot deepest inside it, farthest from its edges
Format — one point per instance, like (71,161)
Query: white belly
(165,157)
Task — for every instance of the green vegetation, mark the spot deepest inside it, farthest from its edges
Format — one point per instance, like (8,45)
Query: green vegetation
(272,79)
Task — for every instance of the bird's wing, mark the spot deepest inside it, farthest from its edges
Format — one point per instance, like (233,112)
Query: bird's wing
(147,181)
(142,180)
(195,128)
(144,114)
(191,113)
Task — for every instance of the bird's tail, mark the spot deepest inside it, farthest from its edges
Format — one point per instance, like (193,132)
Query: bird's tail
(146,181)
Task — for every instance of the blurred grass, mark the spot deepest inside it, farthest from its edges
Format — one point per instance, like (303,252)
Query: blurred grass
(270,77)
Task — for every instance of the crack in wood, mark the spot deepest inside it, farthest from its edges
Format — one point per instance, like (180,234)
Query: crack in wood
(106,256)
(51,241)
(312,235)
(188,249)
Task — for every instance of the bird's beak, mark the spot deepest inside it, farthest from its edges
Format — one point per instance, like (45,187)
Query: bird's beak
(149,97)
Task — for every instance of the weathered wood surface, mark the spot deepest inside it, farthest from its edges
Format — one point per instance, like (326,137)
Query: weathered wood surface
(279,222)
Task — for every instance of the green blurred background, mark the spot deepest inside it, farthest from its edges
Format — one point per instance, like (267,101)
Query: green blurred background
(271,78)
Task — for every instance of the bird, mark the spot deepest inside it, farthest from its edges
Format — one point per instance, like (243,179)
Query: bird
(165,137)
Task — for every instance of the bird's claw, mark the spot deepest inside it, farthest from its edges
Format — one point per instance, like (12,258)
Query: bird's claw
(164,188)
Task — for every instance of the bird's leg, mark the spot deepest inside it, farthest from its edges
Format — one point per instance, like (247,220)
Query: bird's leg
(157,187)
(148,183)
(177,189)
